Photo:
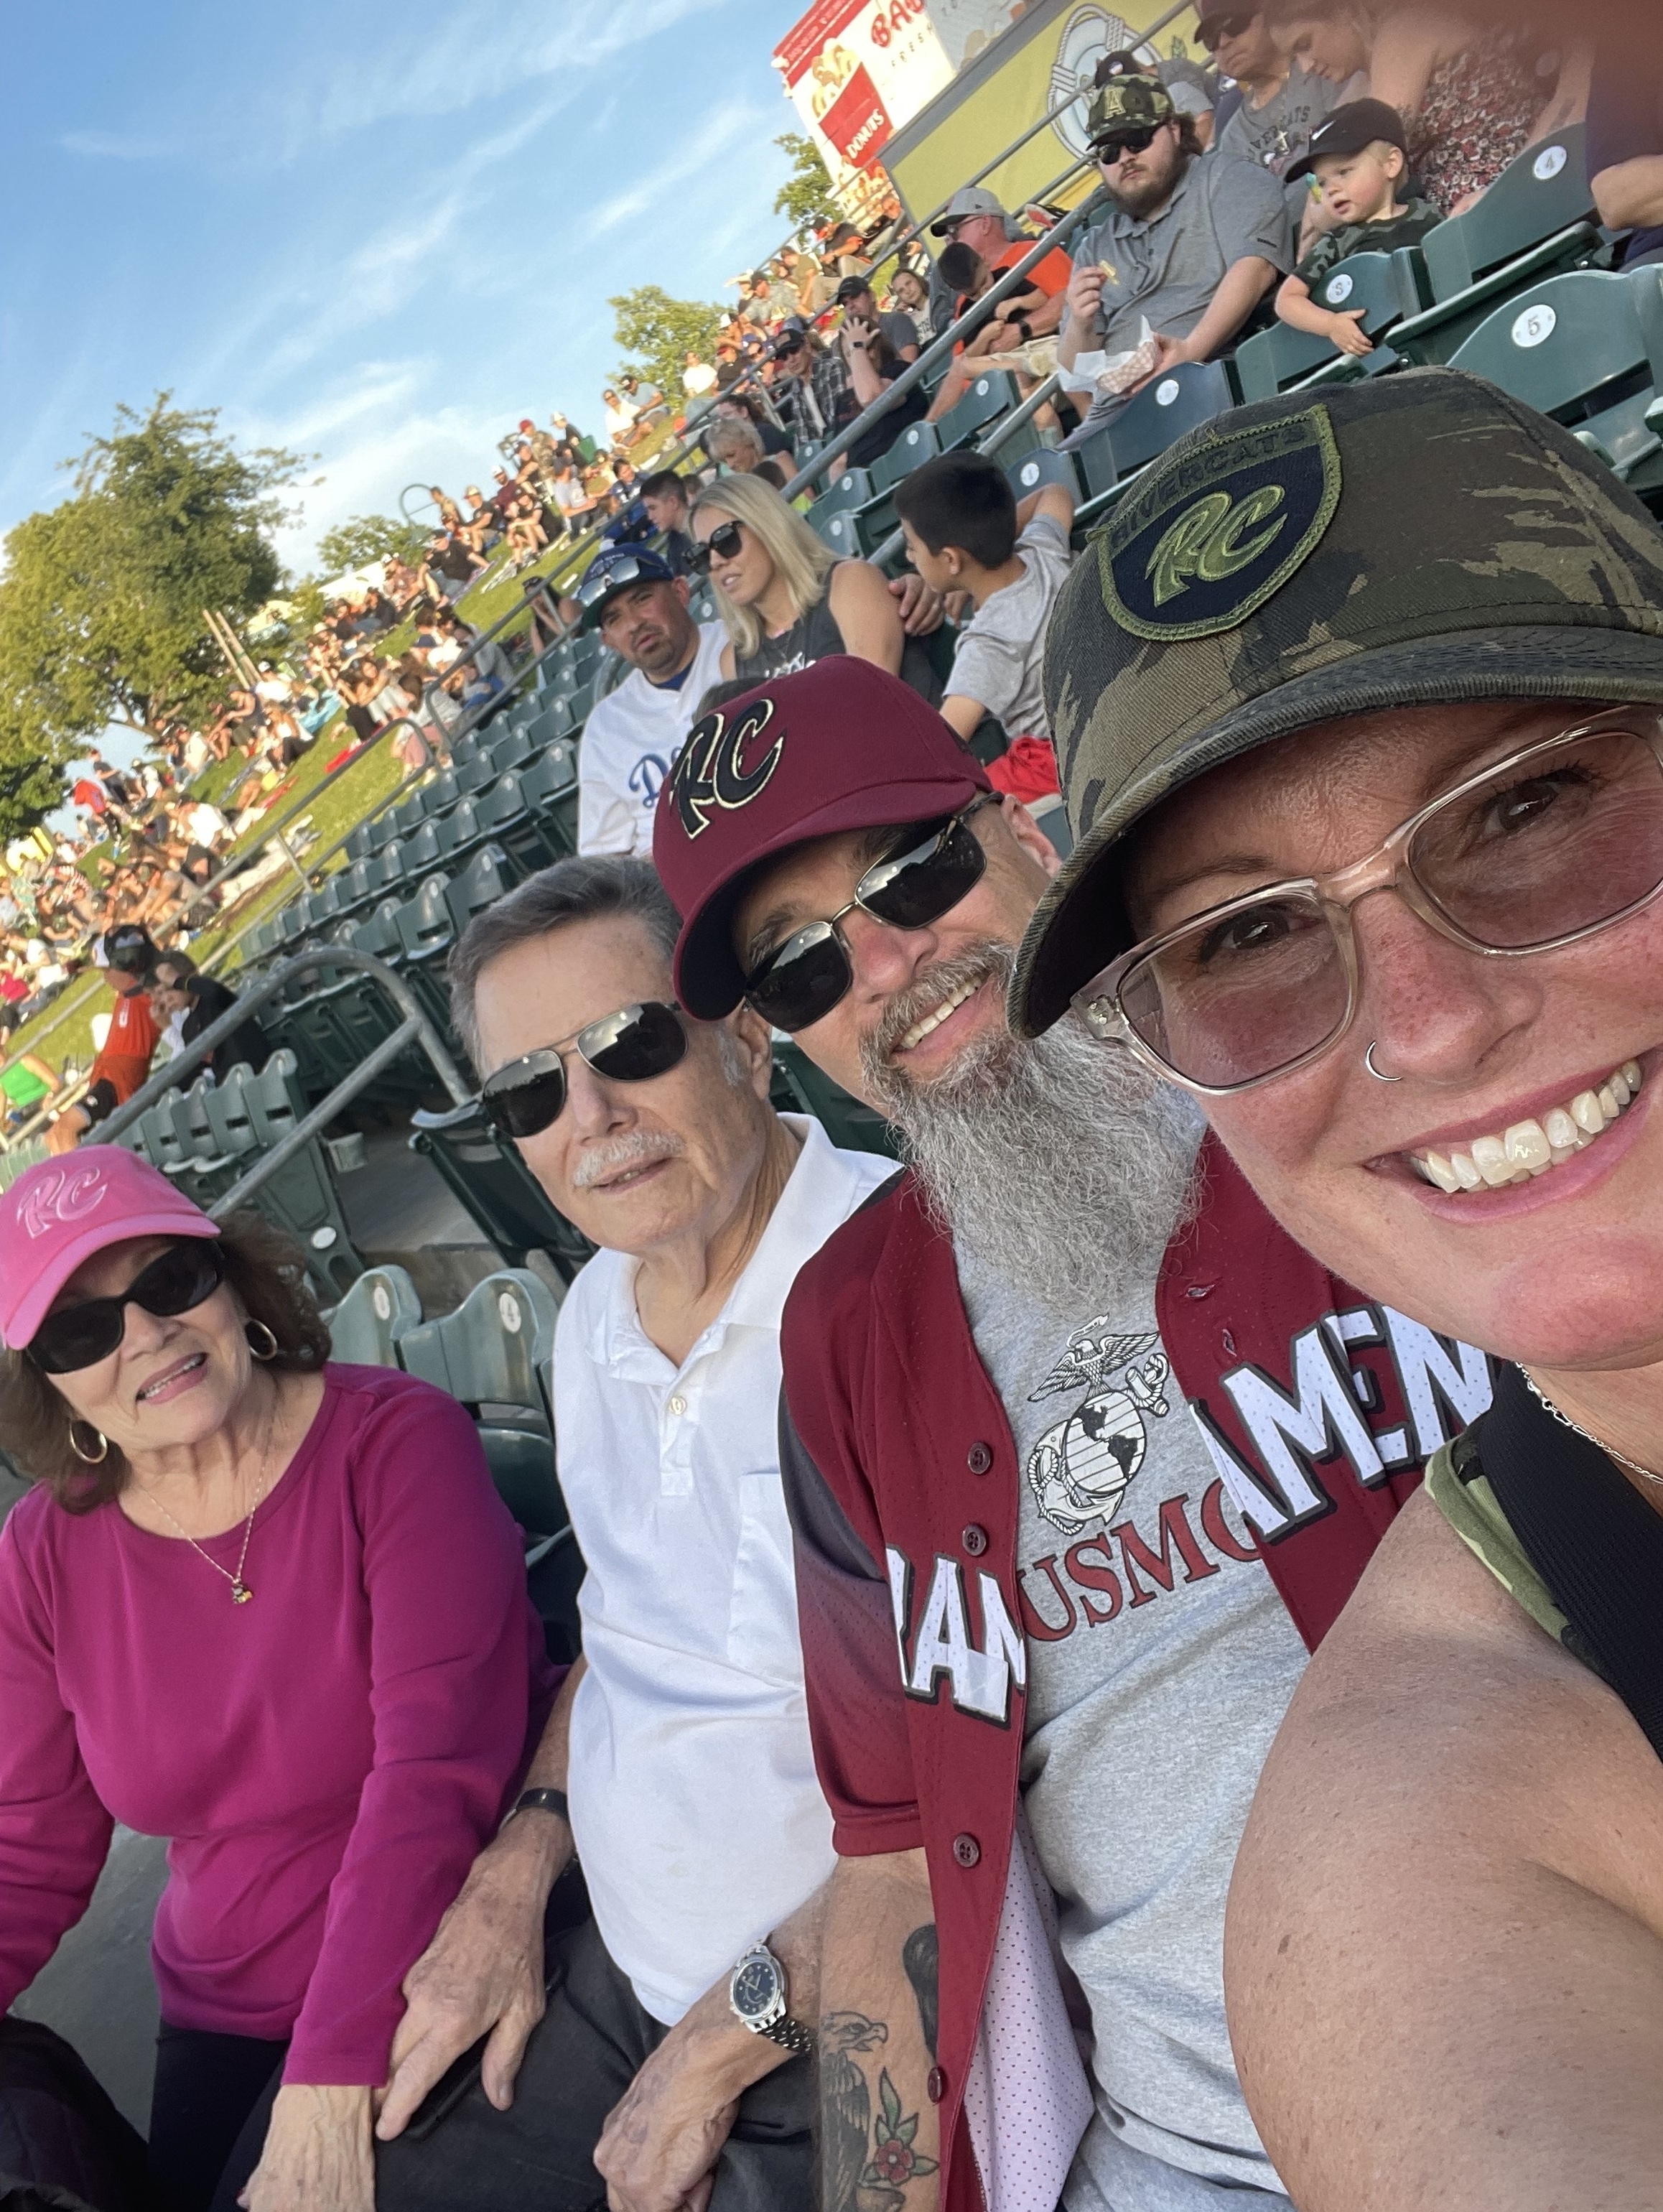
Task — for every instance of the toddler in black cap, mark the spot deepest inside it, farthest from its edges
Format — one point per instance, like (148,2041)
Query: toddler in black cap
(1360,159)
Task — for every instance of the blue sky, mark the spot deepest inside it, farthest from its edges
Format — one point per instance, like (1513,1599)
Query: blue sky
(375,234)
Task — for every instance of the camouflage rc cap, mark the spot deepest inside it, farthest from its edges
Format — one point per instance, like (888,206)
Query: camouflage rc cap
(1410,539)
(1128,103)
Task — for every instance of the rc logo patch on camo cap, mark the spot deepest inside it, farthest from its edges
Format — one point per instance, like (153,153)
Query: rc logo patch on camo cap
(1213,537)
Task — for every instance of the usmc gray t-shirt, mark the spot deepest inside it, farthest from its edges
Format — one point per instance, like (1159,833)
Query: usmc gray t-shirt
(1276,135)
(1159,1663)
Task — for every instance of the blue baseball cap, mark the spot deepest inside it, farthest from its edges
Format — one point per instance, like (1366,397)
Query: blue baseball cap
(612,572)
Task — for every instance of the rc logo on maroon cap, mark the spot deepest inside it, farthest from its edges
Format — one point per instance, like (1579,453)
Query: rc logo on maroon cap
(55,1200)
(713,770)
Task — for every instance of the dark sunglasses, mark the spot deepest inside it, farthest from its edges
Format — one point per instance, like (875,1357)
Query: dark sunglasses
(939,864)
(631,1046)
(81,1335)
(1212,28)
(723,544)
(1109,150)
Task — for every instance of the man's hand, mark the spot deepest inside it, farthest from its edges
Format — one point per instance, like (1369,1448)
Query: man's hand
(1348,334)
(1085,297)
(482,1973)
(317,2156)
(658,2149)
(921,608)
(1169,353)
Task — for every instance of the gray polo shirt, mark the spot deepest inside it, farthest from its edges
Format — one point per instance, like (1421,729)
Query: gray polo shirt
(1168,266)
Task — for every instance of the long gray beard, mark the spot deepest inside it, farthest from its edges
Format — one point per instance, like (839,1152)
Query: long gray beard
(1059,1165)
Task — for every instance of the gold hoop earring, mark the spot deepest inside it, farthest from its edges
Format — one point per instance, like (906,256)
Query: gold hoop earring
(267,1347)
(90,1458)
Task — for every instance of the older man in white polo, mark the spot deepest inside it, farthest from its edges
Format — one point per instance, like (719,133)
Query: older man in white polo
(681,1737)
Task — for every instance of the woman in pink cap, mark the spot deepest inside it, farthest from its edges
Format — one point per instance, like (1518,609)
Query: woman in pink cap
(269,1608)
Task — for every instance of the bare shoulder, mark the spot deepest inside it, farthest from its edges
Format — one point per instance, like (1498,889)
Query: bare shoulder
(1444,1956)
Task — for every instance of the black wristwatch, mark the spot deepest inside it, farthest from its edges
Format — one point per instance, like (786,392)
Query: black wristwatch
(1021,322)
(538,1800)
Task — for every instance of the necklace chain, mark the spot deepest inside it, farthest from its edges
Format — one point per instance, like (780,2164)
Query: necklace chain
(1564,1420)
(240,1593)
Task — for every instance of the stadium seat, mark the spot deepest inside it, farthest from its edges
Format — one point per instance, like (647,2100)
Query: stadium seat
(381,1308)
(1538,198)
(381,831)
(553,722)
(1585,348)
(799,1087)
(458,832)
(420,850)
(357,887)
(840,530)
(918,442)
(474,776)
(549,789)
(301,1196)
(494,1184)
(1281,355)
(850,489)
(440,793)
(408,815)
(991,395)
(359,846)
(426,931)
(1045,466)
(511,749)
(465,747)
(487,875)
(1192,393)
(388,867)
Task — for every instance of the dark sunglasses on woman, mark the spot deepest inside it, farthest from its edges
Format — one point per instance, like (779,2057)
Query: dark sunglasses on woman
(631,1046)
(935,866)
(723,544)
(81,1335)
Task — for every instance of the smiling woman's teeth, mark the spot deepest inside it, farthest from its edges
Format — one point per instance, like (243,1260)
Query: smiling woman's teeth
(1529,1149)
(937,1016)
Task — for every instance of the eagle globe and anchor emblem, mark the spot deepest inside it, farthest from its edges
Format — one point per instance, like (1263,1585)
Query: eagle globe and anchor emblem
(1080,1469)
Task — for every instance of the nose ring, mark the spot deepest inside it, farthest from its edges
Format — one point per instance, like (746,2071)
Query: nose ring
(1368,1062)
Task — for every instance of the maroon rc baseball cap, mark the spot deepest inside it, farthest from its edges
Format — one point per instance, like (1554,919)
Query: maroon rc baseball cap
(841,745)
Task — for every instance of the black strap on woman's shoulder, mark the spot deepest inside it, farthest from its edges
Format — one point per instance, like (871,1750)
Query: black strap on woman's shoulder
(1593,1539)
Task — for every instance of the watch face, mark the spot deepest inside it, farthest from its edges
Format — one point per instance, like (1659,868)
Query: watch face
(755,1988)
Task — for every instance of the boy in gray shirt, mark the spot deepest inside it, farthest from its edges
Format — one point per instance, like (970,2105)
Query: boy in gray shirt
(966,531)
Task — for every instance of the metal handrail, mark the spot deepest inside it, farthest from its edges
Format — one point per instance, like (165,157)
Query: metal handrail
(939,349)
(999,434)
(267,985)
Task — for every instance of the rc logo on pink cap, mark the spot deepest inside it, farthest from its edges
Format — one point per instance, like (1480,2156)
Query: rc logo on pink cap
(58,1213)
(63,1194)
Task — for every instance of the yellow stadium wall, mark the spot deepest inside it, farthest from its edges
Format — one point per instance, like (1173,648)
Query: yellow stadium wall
(1010,85)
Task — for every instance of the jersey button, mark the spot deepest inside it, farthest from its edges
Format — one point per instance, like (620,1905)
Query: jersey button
(935,2086)
(967,1851)
(678,1406)
(979,1458)
(974,1539)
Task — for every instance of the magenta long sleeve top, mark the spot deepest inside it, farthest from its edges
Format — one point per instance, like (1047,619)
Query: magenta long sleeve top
(326,1759)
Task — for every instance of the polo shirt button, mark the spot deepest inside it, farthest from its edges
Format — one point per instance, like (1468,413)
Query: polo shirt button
(967,1851)
(979,1458)
(678,1405)
(974,1539)
(935,2085)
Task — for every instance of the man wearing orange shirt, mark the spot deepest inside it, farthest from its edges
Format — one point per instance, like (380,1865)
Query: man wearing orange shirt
(125,1061)
(975,218)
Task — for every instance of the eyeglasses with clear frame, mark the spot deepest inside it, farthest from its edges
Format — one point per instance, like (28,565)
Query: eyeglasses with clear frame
(1552,844)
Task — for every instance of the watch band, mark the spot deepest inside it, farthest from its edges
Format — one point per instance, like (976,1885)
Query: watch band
(790,2034)
(538,1801)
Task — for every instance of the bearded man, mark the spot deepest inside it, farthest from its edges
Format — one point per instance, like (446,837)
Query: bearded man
(1082,1455)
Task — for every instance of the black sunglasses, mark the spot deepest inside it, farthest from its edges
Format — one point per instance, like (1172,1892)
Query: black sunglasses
(1109,150)
(81,1335)
(936,866)
(723,544)
(631,1046)
(1212,28)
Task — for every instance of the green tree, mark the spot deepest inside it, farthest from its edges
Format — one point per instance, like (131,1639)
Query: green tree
(658,333)
(806,197)
(102,598)
(363,538)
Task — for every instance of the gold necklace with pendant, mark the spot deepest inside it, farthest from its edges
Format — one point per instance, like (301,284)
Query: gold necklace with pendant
(240,1593)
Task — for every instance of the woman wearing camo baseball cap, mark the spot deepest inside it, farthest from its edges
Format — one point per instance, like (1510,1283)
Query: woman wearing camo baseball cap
(1360,712)
(216,1625)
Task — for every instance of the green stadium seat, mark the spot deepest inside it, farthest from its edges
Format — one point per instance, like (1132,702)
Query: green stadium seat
(359,846)
(427,931)
(458,832)
(380,1309)
(1046,466)
(389,868)
(381,829)
(488,1176)
(357,887)
(554,721)
(549,790)
(1281,355)
(850,489)
(420,850)
(1585,348)
(918,443)
(440,794)
(487,875)
(409,814)
(511,749)
(464,748)
(1193,392)
(301,1196)
(1539,198)
(991,395)
(474,776)
(579,704)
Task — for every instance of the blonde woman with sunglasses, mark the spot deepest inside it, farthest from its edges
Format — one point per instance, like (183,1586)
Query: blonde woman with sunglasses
(787,600)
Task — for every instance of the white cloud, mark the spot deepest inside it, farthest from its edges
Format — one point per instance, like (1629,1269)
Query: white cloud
(112,146)
(717,135)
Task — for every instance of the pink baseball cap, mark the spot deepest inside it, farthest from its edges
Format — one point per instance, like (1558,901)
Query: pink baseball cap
(59,1214)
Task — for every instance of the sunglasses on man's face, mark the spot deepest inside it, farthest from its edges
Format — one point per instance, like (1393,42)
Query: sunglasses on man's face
(1218,28)
(1109,150)
(935,866)
(722,544)
(81,1335)
(631,1046)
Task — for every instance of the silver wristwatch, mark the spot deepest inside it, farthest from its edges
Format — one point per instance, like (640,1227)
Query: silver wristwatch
(756,1991)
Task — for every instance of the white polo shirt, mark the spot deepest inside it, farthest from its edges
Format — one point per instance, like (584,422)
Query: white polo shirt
(630,742)
(694,1802)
